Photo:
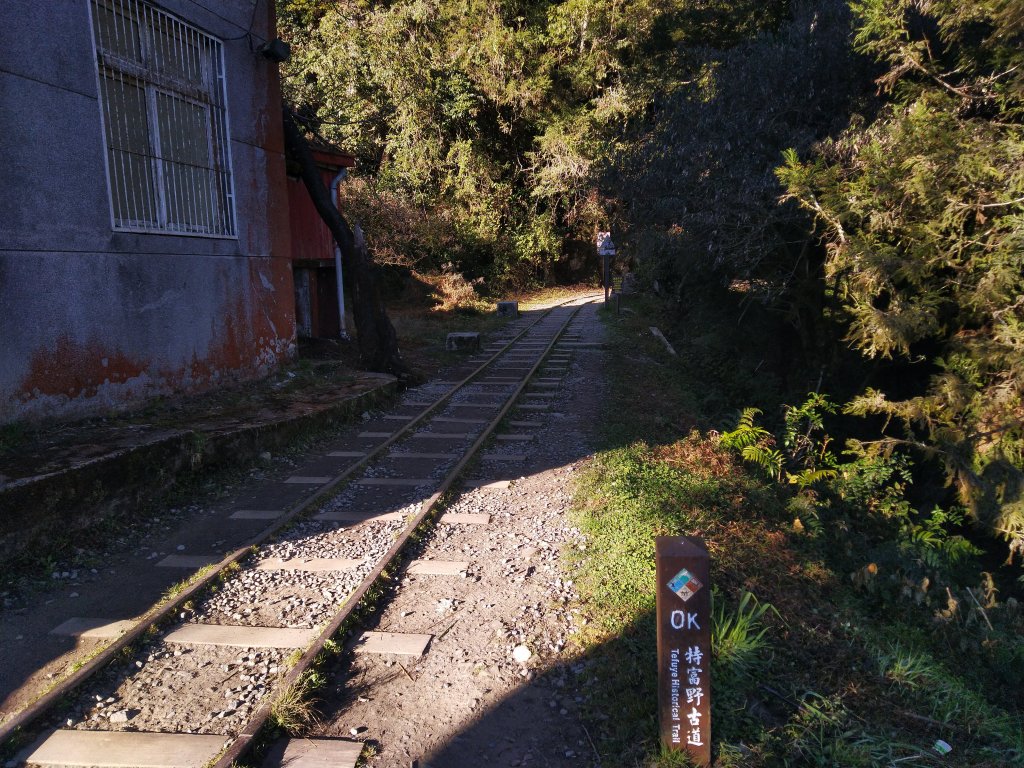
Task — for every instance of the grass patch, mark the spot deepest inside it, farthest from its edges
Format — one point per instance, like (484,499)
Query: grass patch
(295,710)
(808,668)
(12,436)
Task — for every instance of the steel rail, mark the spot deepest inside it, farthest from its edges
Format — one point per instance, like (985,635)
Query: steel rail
(249,734)
(161,611)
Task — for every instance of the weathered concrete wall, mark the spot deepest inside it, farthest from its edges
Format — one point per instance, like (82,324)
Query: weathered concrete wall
(91,318)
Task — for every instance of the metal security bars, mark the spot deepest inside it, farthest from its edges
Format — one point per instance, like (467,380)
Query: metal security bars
(163,105)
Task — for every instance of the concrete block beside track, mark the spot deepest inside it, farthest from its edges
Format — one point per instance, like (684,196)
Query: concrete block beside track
(508,309)
(462,341)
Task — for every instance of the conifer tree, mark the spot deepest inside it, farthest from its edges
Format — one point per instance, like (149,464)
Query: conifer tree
(923,211)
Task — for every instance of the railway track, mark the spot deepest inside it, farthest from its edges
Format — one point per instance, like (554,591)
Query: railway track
(222,659)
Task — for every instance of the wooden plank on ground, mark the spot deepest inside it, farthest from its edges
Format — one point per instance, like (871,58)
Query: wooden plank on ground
(438,567)
(394,481)
(241,637)
(393,642)
(92,628)
(465,518)
(349,518)
(187,561)
(314,753)
(124,749)
(488,485)
(311,564)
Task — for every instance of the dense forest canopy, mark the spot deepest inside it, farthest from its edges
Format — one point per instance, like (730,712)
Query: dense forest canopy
(857,168)
(490,125)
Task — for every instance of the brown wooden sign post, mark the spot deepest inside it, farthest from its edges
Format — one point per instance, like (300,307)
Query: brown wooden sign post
(684,645)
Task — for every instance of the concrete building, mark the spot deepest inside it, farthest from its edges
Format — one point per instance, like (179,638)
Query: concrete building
(144,221)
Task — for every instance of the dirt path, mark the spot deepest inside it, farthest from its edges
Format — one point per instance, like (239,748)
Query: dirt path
(498,685)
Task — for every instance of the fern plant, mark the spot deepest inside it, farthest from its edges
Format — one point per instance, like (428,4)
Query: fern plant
(755,444)
(929,538)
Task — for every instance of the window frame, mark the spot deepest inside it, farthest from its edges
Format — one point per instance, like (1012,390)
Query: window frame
(208,92)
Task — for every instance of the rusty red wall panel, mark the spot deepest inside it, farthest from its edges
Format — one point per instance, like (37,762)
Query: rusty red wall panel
(311,239)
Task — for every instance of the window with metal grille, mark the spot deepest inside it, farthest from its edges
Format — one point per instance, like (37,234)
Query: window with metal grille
(162,97)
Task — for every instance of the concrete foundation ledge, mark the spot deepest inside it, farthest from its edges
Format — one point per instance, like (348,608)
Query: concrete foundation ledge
(104,479)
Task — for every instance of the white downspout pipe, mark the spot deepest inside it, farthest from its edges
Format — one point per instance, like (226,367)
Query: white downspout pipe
(337,256)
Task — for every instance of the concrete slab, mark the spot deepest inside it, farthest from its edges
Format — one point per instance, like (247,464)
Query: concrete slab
(521,424)
(438,567)
(348,454)
(465,518)
(509,457)
(375,434)
(488,485)
(462,341)
(513,438)
(349,518)
(188,561)
(275,495)
(544,395)
(393,642)
(257,514)
(454,420)
(241,637)
(307,480)
(406,481)
(508,309)
(531,407)
(397,417)
(323,466)
(124,749)
(92,629)
(414,455)
(441,435)
(314,753)
(312,564)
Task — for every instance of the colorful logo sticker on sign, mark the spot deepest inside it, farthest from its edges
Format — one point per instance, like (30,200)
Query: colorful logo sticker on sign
(684,584)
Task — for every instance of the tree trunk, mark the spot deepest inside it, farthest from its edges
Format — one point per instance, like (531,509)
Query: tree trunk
(378,345)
